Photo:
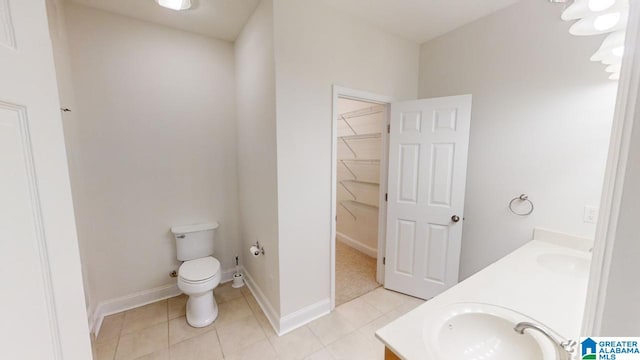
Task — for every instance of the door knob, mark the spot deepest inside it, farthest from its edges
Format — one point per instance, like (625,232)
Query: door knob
(455,218)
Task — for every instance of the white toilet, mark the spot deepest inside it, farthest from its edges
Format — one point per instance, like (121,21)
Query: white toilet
(199,273)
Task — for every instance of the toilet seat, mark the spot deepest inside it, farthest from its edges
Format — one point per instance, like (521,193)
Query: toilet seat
(199,270)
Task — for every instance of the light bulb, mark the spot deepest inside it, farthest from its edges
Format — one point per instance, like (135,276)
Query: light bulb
(618,51)
(600,5)
(607,21)
(614,68)
(613,44)
(575,11)
(611,60)
(175,4)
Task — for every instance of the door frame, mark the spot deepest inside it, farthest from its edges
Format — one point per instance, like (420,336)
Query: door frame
(627,109)
(348,93)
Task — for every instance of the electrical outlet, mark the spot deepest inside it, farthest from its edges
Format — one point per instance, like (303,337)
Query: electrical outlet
(590,214)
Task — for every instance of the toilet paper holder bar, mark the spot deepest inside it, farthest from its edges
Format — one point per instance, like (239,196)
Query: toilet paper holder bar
(260,248)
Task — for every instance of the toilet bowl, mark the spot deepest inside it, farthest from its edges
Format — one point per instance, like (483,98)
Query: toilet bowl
(197,278)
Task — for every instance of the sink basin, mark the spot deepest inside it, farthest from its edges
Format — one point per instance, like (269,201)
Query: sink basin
(470,331)
(486,337)
(565,264)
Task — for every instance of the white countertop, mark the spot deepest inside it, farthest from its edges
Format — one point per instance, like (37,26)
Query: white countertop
(518,282)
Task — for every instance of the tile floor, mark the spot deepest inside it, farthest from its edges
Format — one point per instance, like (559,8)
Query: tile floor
(159,331)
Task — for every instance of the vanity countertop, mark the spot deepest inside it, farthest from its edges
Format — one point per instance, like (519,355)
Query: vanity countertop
(551,296)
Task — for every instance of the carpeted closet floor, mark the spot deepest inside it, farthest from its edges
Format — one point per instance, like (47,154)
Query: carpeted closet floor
(355,273)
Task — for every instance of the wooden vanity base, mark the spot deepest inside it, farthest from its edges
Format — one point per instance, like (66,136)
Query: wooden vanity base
(389,355)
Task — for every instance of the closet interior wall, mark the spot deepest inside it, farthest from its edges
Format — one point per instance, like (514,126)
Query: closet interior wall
(360,126)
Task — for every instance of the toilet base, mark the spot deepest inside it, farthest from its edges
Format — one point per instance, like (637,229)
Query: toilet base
(202,309)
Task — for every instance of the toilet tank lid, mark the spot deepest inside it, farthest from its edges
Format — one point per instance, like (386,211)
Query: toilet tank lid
(194,228)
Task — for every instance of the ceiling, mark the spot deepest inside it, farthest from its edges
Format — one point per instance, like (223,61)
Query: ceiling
(420,20)
(222,19)
(417,20)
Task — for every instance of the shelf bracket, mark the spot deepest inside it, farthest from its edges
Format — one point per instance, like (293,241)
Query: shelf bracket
(349,191)
(349,169)
(349,211)
(349,125)
(349,147)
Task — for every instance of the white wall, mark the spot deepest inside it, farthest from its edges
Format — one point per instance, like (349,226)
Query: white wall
(156,146)
(256,124)
(60,45)
(540,123)
(316,47)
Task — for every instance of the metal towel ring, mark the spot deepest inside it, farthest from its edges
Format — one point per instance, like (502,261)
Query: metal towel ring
(522,197)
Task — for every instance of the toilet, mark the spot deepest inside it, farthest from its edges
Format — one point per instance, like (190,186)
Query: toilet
(199,273)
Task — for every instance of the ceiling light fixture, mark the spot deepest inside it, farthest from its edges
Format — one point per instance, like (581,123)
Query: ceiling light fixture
(600,5)
(619,51)
(600,24)
(607,21)
(175,4)
(580,9)
(595,17)
(615,68)
(613,44)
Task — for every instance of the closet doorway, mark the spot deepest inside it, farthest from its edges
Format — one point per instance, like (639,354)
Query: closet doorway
(360,129)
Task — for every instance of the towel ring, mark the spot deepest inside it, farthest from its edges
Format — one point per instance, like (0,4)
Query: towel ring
(522,197)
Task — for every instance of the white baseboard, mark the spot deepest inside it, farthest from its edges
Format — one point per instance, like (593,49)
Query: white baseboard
(131,301)
(292,321)
(280,325)
(272,315)
(372,252)
(304,316)
(141,298)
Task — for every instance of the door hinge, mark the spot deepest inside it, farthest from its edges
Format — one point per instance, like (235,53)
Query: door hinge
(386,196)
(388,128)
(384,260)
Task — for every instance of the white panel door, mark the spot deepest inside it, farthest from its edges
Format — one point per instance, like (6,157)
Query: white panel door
(42,307)
(428,146)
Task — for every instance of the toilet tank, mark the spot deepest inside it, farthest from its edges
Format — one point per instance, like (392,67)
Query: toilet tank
(194,241)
